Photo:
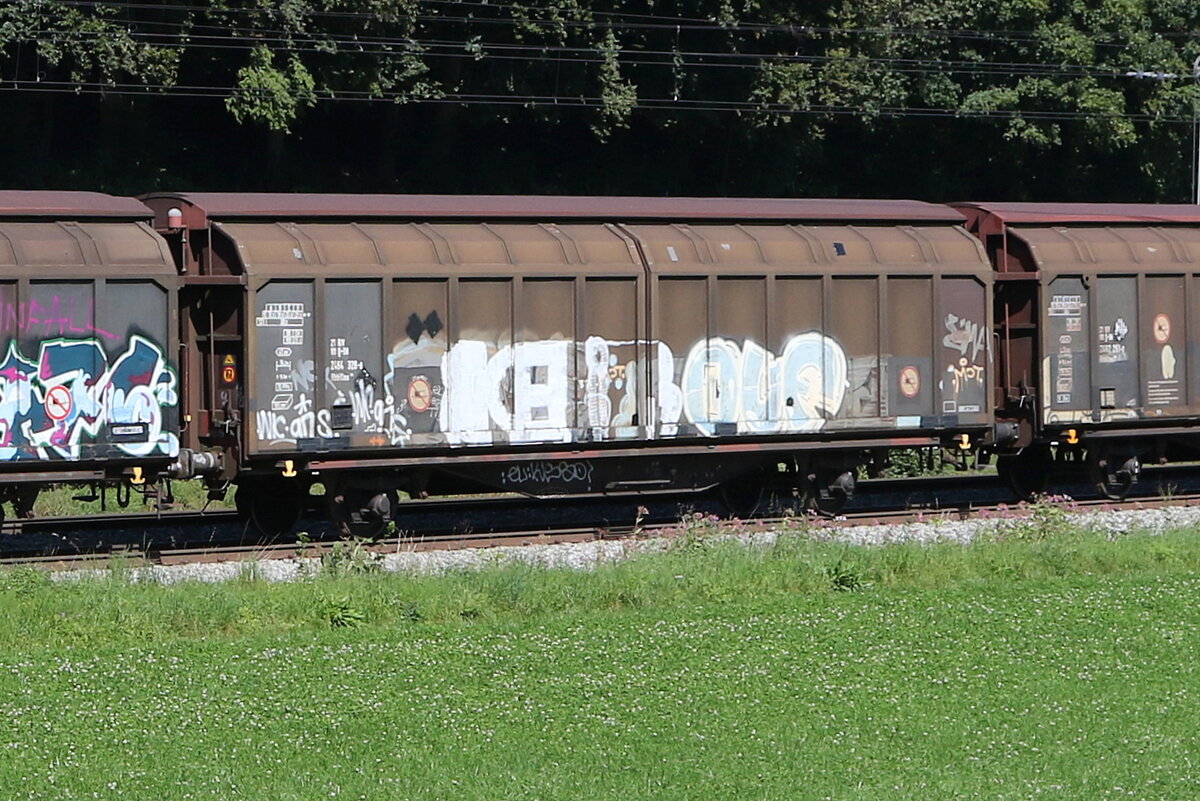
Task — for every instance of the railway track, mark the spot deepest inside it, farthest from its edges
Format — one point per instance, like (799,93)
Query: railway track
(183,537)
(474,522)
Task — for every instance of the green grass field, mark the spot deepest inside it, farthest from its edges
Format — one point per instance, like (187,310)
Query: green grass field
(1060,666)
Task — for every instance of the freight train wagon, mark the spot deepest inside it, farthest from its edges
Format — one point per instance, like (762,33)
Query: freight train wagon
(1095,307)
(89,386)
(545,345)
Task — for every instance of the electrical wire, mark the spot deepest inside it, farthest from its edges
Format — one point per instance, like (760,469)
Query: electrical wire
(192,36)
(652,21)
(479,51)
(550,101)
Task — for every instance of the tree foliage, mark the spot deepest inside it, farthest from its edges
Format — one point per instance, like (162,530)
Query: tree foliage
(739,83)
(270,94)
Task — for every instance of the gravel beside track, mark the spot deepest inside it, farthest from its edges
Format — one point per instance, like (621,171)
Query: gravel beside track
(586,555)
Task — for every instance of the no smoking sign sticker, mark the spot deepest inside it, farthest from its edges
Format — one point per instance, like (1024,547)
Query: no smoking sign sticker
(1162,328)
(910,382)
(58,403)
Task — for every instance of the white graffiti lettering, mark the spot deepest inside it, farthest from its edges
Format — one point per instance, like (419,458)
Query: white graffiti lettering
(302,422)
(962,334)
(528,391)
(964,376)
(756,391)
(548,472)
(476,392)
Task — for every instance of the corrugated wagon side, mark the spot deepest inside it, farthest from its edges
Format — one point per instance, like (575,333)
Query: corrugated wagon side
(548,345)
(1095,320)
(88,343)
(837,339)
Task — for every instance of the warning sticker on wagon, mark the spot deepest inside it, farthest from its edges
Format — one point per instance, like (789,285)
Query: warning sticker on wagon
(1162,328)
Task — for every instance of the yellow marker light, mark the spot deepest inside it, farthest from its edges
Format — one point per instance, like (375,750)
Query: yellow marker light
(1072,437)
(964,442)
(138,478)
(289,468)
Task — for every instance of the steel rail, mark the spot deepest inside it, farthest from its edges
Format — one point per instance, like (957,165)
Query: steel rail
(514,521)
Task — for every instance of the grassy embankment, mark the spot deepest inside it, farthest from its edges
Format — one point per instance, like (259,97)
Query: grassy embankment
(1051,664)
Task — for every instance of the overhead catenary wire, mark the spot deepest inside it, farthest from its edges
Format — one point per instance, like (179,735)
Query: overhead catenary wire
(543,101)
(301,42)
(612,19)
(206,36)
(631,57)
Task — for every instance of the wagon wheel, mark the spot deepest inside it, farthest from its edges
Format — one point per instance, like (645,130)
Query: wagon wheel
(1112,479)
(360,513)
(1027,473)
(272,505)
(743,495)
(830,491)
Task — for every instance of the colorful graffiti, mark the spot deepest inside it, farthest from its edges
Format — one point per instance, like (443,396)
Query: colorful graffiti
(71,403)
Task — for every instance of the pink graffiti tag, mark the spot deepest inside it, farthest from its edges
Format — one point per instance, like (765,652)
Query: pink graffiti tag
(60,319)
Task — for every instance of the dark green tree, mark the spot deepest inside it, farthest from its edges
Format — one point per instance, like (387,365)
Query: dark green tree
(1036,99)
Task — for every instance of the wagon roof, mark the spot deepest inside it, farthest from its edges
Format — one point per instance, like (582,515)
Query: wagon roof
(69,205)
(1094,213)
(550,207)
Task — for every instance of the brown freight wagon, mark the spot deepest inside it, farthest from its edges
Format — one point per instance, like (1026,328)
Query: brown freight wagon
(1094,312)
(578,345)
(88,344)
